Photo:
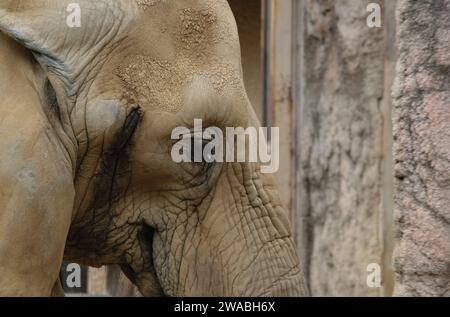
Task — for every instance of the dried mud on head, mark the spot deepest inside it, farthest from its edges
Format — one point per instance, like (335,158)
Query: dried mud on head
(198,35)
(149,81)
(157,83)
(197,30)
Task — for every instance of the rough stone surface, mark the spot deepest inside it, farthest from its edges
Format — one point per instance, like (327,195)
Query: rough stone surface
(342,147)
(422,149)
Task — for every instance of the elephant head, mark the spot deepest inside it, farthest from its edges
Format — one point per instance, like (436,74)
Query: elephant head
(123,79)
(35,198)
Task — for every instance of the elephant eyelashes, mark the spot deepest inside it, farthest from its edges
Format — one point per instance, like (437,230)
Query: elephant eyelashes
(52,101)
(128,129)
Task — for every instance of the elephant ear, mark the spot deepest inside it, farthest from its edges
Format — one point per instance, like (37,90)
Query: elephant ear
(50,28)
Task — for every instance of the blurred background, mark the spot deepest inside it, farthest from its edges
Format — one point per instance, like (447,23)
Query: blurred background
(317,70)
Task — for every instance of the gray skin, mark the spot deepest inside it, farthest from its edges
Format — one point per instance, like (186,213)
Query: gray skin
(131,73)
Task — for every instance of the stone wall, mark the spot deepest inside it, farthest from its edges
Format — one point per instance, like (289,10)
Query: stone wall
(422,149)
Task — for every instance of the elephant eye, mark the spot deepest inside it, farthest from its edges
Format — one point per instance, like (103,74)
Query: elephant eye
(196,164)
(125,135)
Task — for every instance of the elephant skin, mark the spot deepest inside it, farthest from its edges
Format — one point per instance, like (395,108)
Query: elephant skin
(35,198)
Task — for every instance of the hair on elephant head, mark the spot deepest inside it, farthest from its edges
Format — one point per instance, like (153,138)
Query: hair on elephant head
(201,228)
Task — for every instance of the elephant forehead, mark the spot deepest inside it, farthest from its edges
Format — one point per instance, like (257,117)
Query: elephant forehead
(151,81)
(162,85)
(196,30)
(172,43)
(199,30)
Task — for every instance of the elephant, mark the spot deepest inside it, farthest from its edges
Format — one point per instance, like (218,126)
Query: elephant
(22,113)
(86,172)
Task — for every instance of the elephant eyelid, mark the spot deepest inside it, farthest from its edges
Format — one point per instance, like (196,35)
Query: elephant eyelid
(129,127)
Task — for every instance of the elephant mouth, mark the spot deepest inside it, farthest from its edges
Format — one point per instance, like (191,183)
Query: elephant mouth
(129,273)
(145,278)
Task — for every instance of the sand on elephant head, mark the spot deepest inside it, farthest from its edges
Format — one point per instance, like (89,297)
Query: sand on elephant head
(150,81)
(198,36)
(160,83)
(198,30)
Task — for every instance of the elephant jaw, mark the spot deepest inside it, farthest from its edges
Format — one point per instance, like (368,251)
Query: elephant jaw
(145,278)
(146,282)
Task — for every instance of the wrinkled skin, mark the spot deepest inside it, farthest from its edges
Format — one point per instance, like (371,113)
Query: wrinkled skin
(35,198)
(101,155)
